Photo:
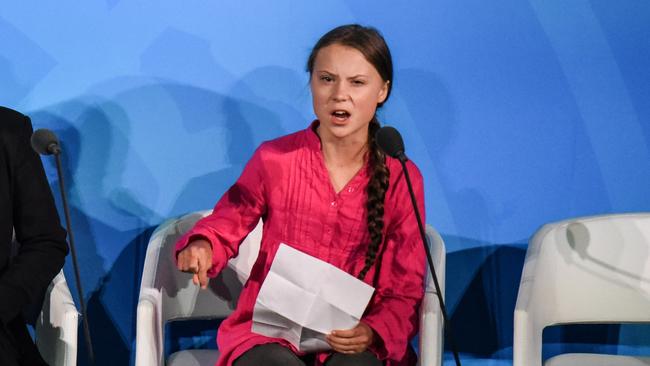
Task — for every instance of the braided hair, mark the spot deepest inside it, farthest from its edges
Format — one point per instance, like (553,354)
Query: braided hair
(372,45)
(376,191)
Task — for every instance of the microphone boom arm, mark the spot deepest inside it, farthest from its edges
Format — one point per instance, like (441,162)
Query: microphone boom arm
(45,142)
(73,253)
(447,324)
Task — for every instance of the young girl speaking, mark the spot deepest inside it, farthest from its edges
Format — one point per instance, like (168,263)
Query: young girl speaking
(329,192)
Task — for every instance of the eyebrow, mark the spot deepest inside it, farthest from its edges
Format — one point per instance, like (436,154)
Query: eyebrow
(334,74)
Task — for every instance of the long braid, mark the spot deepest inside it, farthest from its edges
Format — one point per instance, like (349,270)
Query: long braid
(377,187)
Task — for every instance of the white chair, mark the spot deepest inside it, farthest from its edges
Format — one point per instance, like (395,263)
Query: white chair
(167,294)
(57,324)
(584,270)
(431,322)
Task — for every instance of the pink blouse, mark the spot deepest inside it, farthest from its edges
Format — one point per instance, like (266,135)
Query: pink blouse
(287,184)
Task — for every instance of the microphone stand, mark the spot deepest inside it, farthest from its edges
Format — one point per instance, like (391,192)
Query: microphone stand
(403,159)
(73,252)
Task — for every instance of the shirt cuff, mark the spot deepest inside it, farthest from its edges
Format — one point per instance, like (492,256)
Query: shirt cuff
(378,347)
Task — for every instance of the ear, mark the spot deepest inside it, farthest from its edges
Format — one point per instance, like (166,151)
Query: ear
(383,93)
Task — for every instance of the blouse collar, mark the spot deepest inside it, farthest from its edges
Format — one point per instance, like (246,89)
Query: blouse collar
(313,140)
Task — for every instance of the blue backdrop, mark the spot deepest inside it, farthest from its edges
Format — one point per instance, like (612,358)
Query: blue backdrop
(518,113)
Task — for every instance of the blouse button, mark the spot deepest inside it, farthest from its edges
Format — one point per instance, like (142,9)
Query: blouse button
(333,204)
(351,189)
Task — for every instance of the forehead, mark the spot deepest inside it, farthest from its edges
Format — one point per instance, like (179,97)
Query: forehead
(343,59)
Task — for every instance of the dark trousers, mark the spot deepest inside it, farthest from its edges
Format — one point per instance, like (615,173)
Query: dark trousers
(273,354)
(8,352)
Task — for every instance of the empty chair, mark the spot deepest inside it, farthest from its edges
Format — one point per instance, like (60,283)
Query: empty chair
(584,270)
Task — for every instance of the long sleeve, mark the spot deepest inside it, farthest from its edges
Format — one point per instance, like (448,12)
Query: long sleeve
(233,217)
(38,230)
(393,311)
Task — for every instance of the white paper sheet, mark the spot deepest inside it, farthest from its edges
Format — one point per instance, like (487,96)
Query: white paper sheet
(304,298)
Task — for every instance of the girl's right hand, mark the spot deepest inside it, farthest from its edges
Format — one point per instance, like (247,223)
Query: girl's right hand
(196,258)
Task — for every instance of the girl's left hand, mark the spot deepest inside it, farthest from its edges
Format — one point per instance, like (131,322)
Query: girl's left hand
(355,340)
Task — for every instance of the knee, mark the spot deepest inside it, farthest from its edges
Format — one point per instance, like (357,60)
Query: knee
(358,359)
(271,354)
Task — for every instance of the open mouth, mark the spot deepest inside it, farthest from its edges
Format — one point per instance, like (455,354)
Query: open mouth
(340,115)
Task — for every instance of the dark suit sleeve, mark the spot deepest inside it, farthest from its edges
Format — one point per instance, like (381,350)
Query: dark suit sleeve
(38,230)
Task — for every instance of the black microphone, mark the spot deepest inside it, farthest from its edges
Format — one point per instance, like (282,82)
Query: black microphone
(390,142)
(45,142)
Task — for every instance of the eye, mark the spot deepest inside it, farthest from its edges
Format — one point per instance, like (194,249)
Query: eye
(326,78)
(358,82)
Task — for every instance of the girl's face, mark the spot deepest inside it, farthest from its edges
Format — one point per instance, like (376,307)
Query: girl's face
(345,89)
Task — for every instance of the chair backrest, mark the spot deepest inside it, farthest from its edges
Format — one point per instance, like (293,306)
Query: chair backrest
(438,254)
(589,270)
(180,298)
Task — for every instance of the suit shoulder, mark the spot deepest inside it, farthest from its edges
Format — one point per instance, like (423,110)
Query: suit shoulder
(13,122)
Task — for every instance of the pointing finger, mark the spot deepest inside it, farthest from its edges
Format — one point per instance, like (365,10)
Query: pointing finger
(203,275)
(194,265)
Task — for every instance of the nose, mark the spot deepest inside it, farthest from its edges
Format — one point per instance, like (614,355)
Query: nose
(340,92)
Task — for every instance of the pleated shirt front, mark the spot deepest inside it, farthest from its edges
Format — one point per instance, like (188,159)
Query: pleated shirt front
(286,183)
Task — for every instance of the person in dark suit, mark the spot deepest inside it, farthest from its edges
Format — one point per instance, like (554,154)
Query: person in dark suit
(27,209)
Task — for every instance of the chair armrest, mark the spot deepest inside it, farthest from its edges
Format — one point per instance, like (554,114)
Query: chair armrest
(431,331)
(149,346)
(149,330)
(527,340)
(57,325)
(528,323)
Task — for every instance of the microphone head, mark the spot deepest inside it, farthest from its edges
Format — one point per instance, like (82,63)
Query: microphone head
(45,142)
(390,142)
